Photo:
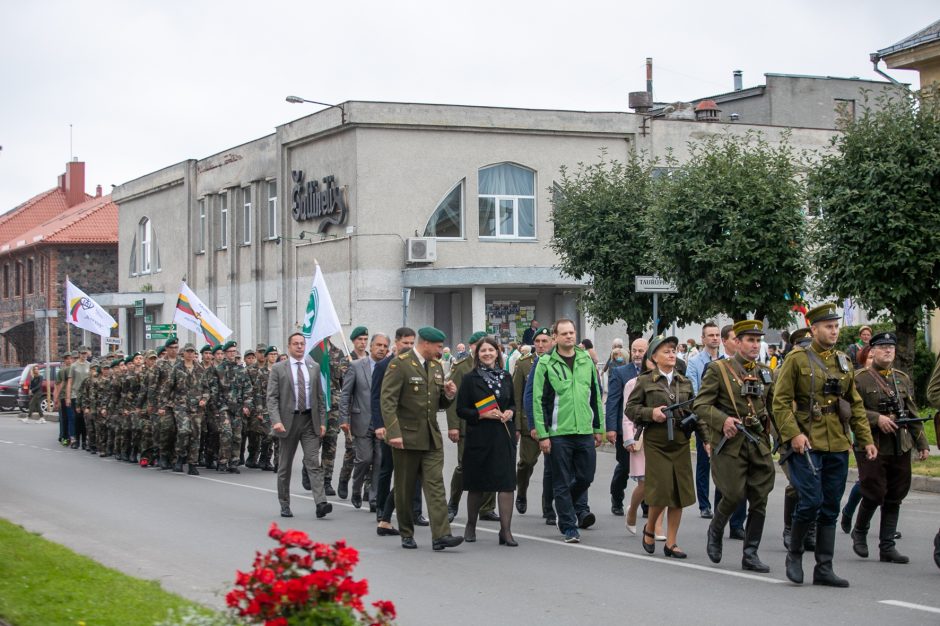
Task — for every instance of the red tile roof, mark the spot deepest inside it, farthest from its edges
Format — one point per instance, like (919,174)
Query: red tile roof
(32,213)
(94,221)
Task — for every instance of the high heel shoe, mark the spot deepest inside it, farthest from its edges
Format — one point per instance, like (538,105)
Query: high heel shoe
(674,552)
(649,547)
(512,543)
(470,535)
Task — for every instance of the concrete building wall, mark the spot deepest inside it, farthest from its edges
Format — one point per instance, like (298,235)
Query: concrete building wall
(813,102)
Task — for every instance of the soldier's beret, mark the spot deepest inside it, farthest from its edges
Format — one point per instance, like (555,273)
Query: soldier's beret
(801,334)
(249,353)
(116,362)
(823,313)
(161,350)
(475,337)
(229,345)
(150,354)
(659,342)
(217,348)
(886,338)
(359,331)
(269,350)
(172,341)
(748,327)
(542,331)
(189,348)
(205,348)
(429,333)
(129,359)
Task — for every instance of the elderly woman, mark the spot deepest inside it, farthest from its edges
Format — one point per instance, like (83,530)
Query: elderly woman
(668,473)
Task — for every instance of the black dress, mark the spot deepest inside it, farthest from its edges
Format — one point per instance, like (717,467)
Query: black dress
(489,454)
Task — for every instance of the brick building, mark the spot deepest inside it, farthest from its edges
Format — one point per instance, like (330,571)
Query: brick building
(62,231)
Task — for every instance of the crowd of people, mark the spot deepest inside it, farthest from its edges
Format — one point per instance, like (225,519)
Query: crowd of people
(506,409)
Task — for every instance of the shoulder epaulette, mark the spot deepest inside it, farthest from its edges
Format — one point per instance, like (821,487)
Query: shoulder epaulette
(403,356)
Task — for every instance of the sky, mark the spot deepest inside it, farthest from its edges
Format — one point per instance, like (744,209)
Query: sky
(131,87)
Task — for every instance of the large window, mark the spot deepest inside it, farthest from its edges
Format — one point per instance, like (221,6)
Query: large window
(507,202)
(246,216)
(447,220)
(272,209)
(223,220)
(145,237)
(201,227)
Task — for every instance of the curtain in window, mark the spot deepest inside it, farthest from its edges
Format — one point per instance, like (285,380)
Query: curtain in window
(506,179)
(487,217)
(526,217)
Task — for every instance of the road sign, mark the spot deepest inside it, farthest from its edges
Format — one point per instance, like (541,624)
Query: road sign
(138,312)
(139,303)
(112,341)
(160,328)
(148,319)
(654,284)
(159,335)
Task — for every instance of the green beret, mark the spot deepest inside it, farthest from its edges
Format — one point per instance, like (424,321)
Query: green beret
(748,327)
(269,350)
(475,337)
(823,313)
(542,331)
(359,331)
(660,341)
(205,348)
(229,345)
(161,350)
(172,341)
(116,362)
(128,359)
(217,348)
(429,333)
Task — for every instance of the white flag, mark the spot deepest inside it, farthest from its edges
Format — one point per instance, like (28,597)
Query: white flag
(191,313)
(321,320)
(85,313)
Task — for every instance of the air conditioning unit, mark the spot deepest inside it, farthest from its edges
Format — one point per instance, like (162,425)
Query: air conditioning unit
(422,249)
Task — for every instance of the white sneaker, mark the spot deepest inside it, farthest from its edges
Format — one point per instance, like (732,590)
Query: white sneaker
(42,420)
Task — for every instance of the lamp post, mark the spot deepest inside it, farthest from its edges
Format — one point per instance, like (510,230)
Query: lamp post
(46,314)
(299,100)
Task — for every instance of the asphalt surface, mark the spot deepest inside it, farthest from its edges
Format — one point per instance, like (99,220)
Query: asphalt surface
(192,533)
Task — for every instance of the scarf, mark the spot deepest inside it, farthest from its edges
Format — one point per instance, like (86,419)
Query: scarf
(493,378)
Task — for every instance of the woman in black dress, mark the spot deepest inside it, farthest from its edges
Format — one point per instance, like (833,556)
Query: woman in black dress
(485,401)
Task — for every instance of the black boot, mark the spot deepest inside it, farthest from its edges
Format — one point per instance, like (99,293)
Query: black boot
(716,529)
(825,549)
(252,461)
(164,462)
(887,551)
(798,531)
(866,510)
(179,464)
(192,470)
(752,535)
(210,460)
(789,505)
(304,479)
(809,543)
(202,458)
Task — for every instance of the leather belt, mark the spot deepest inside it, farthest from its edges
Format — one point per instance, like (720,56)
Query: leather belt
(824,410)
(307,412)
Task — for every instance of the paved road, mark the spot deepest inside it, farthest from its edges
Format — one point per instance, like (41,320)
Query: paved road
(192,533)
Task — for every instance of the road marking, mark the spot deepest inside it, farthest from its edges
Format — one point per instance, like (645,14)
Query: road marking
(910,605)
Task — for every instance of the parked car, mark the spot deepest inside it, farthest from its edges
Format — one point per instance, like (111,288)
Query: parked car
(9,388)
(22,396)
(10,372)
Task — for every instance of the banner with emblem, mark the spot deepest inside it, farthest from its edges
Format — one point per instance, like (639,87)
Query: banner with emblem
(320,323)
(85,313)
(192,314)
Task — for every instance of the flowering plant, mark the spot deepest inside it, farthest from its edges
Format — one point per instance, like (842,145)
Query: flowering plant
(287,588)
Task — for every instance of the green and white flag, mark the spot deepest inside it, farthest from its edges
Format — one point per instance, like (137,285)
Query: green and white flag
(320,323)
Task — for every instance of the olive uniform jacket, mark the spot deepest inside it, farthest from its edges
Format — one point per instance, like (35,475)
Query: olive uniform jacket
(411,398)
(458,370)
(874,386)
(519,376)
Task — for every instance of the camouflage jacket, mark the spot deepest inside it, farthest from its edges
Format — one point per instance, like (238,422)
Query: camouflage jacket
(131,389)
(102,391)
(261,389)
(257,405)
(187,387)
(158,381)
(114,392)
(85,398)
(339,363)
(231,388)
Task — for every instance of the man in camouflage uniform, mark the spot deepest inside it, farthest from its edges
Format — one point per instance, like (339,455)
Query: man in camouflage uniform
(113,401)
(216,356)
(268,359)
(187,393)
(339,362)
(205,354)
(253,428)
(145,422)
(85,402)
(165,424)
(130,398)
(232,389)
(102,390)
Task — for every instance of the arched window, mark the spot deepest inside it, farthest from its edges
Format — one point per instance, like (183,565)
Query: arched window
(145,236)
(507,201)
(447,220)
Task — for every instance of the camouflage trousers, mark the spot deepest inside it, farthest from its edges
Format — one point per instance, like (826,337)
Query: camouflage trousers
(188,433)
(91,431)
(256,431)
(102,433)
(143,432)
(165,435)
(328,451)
(230,436)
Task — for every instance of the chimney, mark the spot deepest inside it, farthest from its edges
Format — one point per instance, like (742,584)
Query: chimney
(649,78)
(74,182)
(98,191)
(738,86)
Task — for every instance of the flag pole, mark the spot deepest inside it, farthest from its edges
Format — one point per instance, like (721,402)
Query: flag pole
(68,327)
(316,264)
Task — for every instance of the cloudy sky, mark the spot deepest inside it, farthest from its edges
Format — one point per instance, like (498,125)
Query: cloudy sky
(148,84)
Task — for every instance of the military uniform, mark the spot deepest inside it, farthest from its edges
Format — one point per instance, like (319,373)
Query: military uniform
(253,430)
(162,416)
(885,480)
(339,363)
(412,394)
(101,391)
(147,416)
(184,392)
(113,407)
(813,384)
(529,451)
(264,449)
(232,389)
(739,389)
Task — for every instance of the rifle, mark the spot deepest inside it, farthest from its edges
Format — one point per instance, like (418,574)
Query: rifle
(741,429)
(906,421)
(670,413)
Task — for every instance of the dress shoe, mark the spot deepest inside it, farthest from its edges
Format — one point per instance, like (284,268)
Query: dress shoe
(674,552)
(328,488)
(551,521)
(323,508)
(372,506)
(447,541)
(192,470)
(521,505)
(285,511)
(489,516)
(512,543)
(451,513)
(356,500)
(705,513)
(586,520)
(470,536)
(381,531)
(343,490)
(650,548)
(616,509)
(408,543)
(421,520)
(737,533)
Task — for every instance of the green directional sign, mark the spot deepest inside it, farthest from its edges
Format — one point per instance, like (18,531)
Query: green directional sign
(161,328)
(159,335)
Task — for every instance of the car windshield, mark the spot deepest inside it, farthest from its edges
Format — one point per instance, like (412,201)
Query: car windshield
(10,381)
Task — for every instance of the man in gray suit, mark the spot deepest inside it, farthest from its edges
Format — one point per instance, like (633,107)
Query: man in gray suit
(298,414)
(355,411)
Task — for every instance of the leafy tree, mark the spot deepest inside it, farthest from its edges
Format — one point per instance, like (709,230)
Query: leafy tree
(729,229)
(600,237)
(877,236)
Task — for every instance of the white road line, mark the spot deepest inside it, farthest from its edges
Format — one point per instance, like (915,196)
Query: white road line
(910,605)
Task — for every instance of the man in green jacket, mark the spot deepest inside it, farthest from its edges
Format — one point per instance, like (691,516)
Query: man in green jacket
(569,421)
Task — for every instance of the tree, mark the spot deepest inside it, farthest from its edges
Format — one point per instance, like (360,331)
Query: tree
(599,237)
(877,197)
(729,230)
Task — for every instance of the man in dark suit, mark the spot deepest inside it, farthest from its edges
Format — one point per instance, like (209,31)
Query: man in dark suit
(613,416)
(297,409)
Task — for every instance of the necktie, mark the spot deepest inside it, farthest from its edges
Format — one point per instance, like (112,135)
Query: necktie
(301,390)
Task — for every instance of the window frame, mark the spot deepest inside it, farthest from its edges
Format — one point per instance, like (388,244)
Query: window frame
(245,239)
(145,243)
(272,209)
(497,198)
(202,223)
(223,221)
(17,279)
(462,190)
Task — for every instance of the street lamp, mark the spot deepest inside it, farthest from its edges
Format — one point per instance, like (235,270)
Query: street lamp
(299,100)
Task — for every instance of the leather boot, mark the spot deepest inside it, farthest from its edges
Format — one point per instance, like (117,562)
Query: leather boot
(789,505)
(164,462)
(252,461)
(752,536)
(809,543)
(179,464)
(716,529)
(193,471)
(887,551)
(222,466)
(202,458)
(798,531)
(825,549)
(866,509)
(210,460)
(304,479)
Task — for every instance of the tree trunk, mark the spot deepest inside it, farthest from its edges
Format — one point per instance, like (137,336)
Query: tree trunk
(907,336)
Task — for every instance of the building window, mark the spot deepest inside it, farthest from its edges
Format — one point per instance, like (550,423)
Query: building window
(6,281)
(272,209)
(29,276)
(17,279)
(201,227)
(42,274)
(223,220)
(246,216)
(507,202)
(845,111)
(447,220)
(145,237)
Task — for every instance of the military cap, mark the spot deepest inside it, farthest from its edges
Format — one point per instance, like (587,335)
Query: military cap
(229,345)
(116,362)
(249,353)
(161,350)
(260,347)
(886,338)
(205,348)
(269,350)
(74,354)
(105,365)
(65,355)
(172,341)
(84,349)
(429,333)
(799,335)
(216,348)
(150,354)
(748,327)
(359,331)
(823,313)
(660,341)
(189,348)
(542,331)
(475,337)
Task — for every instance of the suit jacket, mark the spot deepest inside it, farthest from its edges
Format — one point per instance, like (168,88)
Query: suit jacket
(377,376)
(613,410)
(355,404)
(281,401)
